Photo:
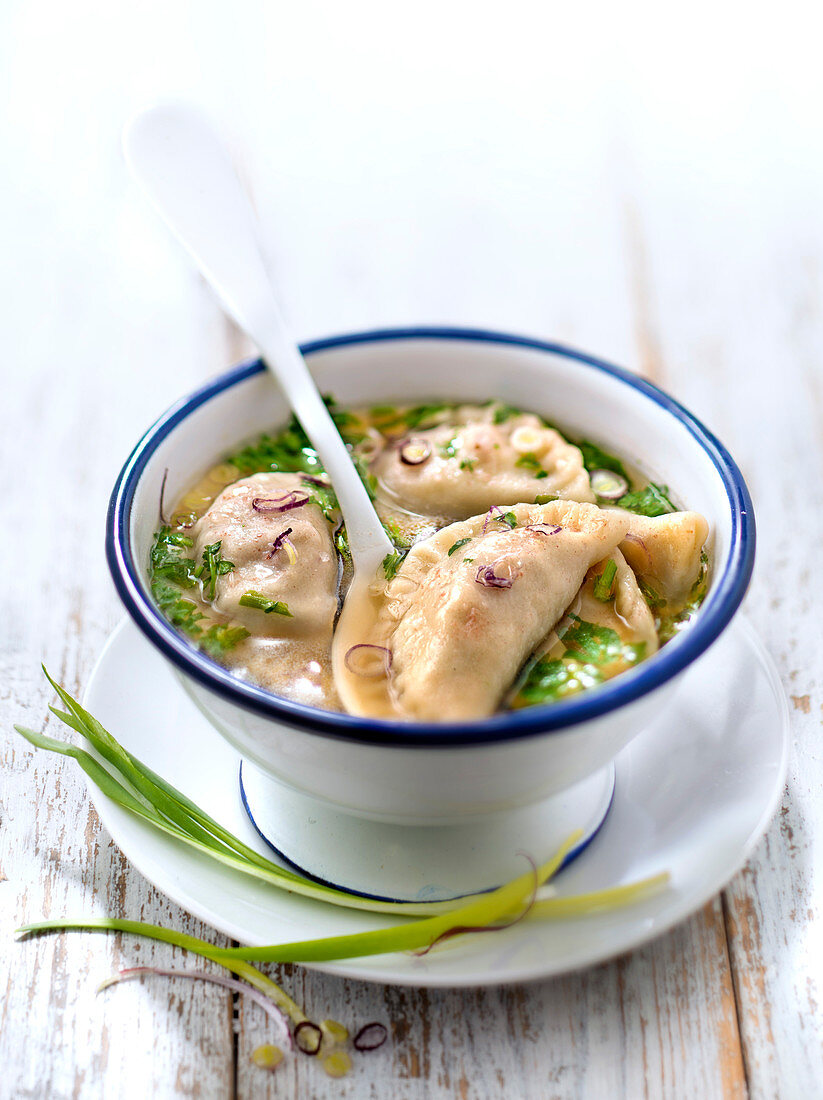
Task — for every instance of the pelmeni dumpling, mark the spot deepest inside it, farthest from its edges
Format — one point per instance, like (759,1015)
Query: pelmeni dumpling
(463,468)
(280,551)
(664,552)
(457,626)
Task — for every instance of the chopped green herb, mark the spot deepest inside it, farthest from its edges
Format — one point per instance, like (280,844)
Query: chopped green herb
(604,582)
(171,575)
(391,563)
(325,498)
(468,464)
(550,680)
(449,448)
(468,561)
(456,545)
(383,412)
(653,500)
(510,518)
(392,529)
(544,498)
(597,645)
(168,561)
(594,458)
(221,636)
(263,603)
(214,566)
(530,461)
(421,416)
(180,612)
(652,598)
(505,412)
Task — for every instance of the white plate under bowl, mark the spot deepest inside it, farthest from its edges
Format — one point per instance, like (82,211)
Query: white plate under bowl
(694,793)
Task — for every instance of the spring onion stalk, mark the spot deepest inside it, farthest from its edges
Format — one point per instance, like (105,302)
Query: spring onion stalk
(414,935)
(138,789)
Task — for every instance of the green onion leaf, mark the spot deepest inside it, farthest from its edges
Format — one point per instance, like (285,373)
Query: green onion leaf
(604,582)
(456,545)
(263,603)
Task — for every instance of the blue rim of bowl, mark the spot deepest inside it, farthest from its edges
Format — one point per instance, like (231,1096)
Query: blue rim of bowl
(724,597)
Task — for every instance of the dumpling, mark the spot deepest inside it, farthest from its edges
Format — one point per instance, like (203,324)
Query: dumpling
(284,556)
(470,603)
(460,469)
(665,553)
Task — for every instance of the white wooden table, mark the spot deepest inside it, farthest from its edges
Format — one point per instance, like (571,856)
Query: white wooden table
(646,186)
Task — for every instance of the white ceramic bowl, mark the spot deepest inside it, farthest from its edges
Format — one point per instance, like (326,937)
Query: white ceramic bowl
(431,774)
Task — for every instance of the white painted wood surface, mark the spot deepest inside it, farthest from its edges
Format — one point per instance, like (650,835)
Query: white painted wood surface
(642,182)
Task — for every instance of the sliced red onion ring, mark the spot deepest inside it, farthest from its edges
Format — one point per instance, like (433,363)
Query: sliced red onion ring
(493,513)
(486,576)
(544,528)
(281,540)
(629,537)
(370,1037)
(306,1045)
(414,452)
(608,485)
(282,503)
(360,660)
(310,479)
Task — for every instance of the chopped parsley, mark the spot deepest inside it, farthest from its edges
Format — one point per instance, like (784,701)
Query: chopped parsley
(594,458)
(221,636)
(449,448)
(530,461)
(510,518)
(171,574)
(598,645)
(593,655)
(456,545)
(168,561)
(653,500)
(468,464)
(604,582)
(544,498)
(214,566)
(505,412)
(422,416)
(392,562)
(263,603)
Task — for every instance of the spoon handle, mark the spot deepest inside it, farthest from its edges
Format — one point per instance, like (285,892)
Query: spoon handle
(177,157)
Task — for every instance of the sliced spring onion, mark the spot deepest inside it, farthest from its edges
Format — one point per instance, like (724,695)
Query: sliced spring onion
(263,603)
(604,582)
(608,484)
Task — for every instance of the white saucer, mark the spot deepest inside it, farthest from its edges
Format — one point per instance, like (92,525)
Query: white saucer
(693,795)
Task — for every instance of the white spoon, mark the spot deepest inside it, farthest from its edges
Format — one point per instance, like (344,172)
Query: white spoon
(176,155)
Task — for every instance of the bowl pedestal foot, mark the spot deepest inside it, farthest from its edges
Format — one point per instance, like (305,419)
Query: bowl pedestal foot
(419,862)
